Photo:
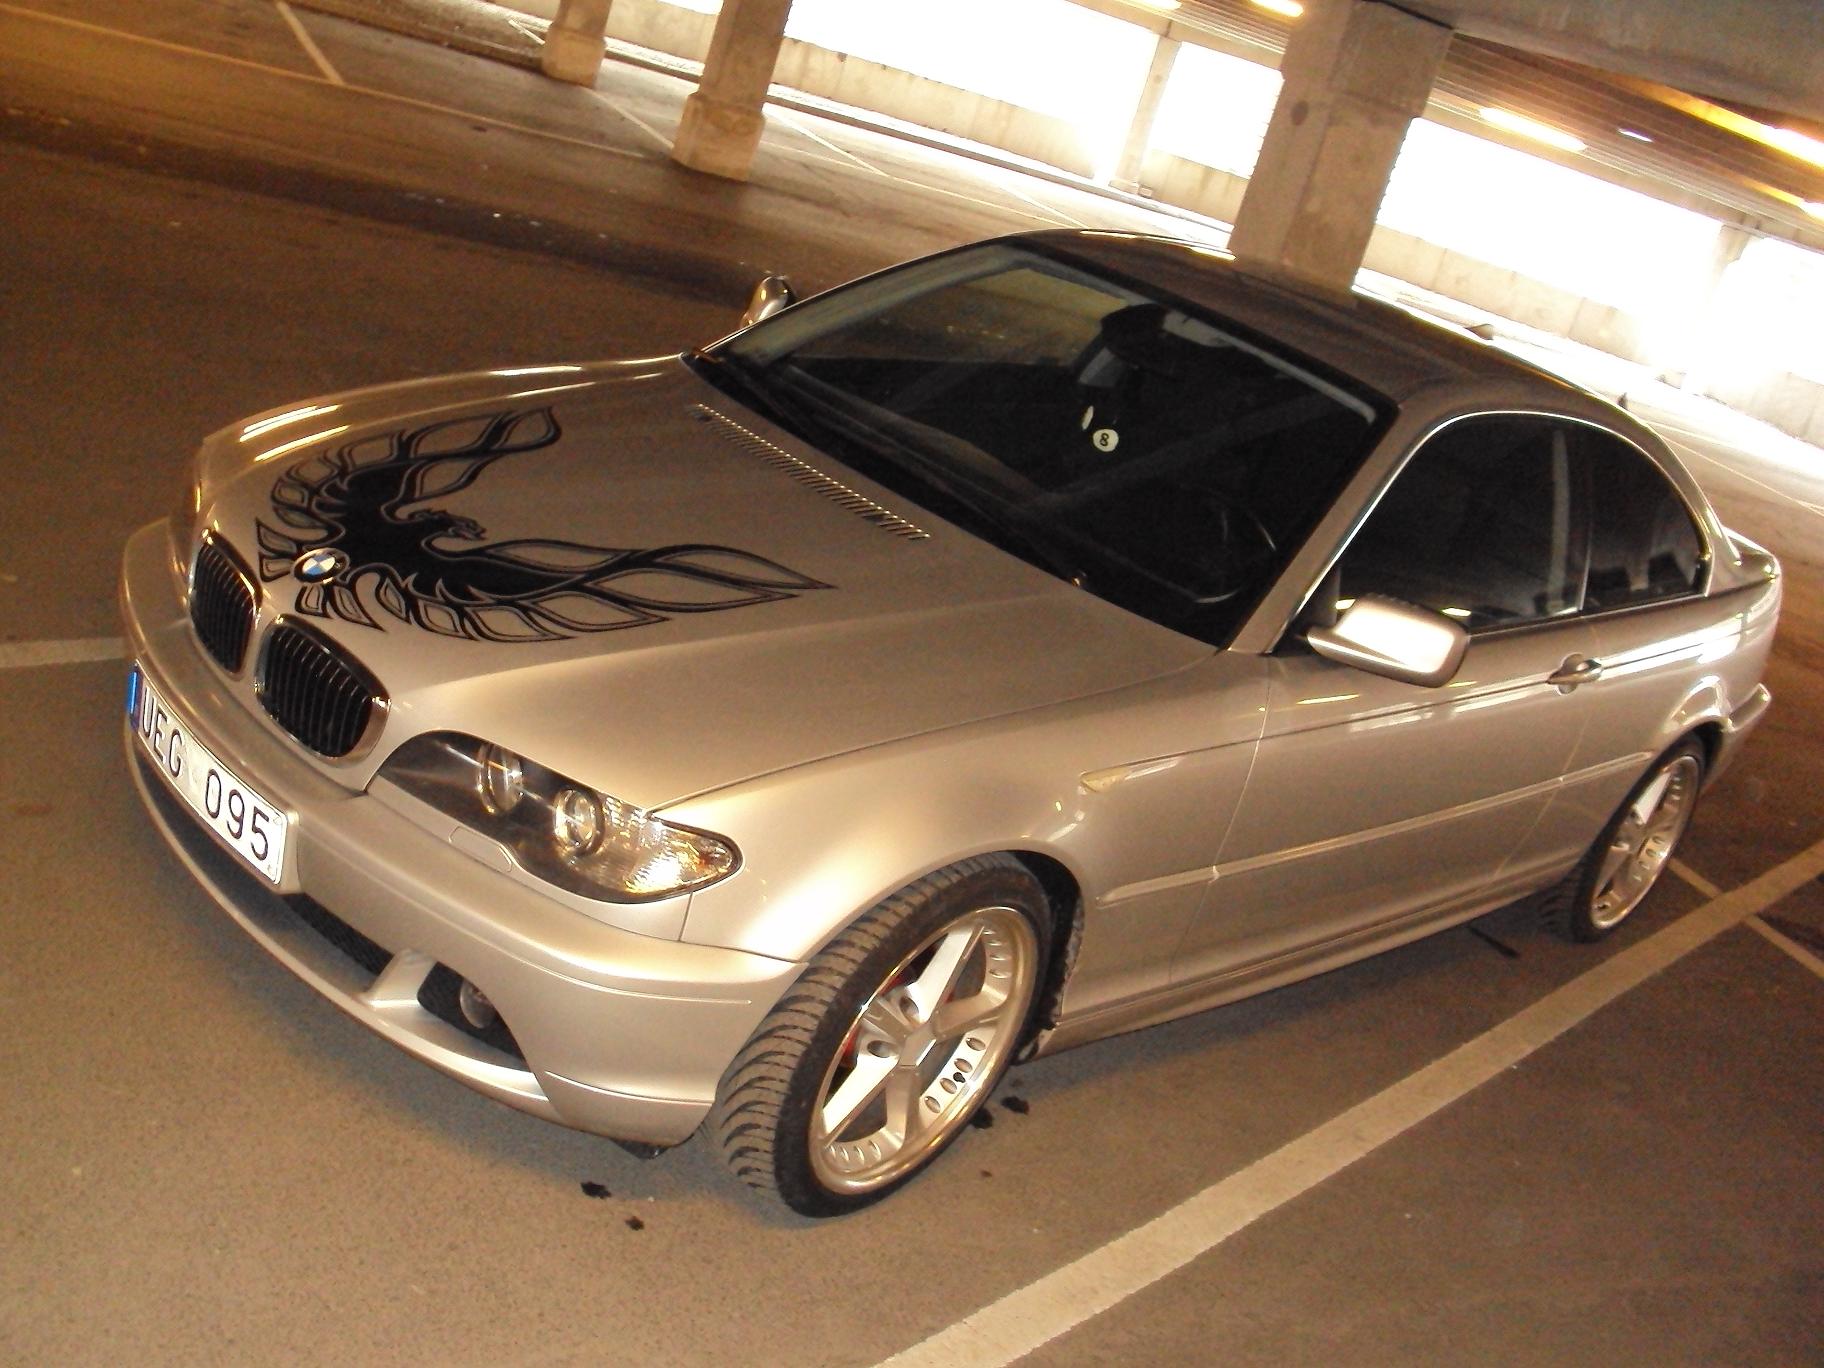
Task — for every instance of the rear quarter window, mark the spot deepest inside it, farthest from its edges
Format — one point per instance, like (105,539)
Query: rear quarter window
(1644,543)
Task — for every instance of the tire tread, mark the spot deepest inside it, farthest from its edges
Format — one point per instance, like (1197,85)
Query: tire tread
(755,1090)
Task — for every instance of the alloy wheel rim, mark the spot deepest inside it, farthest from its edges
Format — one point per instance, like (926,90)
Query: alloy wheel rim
(920,1054)
(1648,834)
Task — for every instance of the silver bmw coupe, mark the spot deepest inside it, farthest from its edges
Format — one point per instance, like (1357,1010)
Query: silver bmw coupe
(1032,642)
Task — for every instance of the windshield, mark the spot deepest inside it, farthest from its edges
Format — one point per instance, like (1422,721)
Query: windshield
(1147,451)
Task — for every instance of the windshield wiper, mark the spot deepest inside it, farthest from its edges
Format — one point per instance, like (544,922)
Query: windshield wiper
(746,382)
(1021,535)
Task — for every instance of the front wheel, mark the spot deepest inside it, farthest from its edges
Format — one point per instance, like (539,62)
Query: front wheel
(895,1035)
(1633,850)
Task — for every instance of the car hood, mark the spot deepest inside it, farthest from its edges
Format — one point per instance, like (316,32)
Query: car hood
(625,576)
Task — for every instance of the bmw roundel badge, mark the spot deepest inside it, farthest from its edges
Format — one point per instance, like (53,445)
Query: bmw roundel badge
(313,567)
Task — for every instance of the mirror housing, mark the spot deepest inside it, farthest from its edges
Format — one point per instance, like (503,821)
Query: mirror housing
(1386,637)
(773,293)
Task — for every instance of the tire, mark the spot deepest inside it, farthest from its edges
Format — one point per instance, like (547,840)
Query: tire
(1628,858)
(860,1077)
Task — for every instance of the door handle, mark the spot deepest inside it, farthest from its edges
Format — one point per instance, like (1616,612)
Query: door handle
(1577,669)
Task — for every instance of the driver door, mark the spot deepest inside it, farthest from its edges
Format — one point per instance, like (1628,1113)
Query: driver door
(1376,806)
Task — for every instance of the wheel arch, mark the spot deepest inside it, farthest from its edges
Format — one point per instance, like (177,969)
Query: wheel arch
(1710,735)
(1064,895)
(1057,880)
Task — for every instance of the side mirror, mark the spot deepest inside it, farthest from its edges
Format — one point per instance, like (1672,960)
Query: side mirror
(773,293)
(1396,640)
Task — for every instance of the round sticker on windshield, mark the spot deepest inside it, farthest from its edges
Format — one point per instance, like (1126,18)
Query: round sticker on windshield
(1105,439)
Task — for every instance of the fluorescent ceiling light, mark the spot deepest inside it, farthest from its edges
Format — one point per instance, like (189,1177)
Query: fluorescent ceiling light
(1286,9)
(1631,133)
(1812,207)
(1531,128)
(1787,140)
(1795,144)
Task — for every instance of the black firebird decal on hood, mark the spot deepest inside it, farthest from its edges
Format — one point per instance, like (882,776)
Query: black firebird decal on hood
(366,503)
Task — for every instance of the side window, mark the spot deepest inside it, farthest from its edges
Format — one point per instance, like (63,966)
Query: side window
(1643,543)
(1482,525)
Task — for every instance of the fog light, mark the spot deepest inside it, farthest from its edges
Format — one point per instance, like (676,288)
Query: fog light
(476,1009)
(577,821)
(502,780)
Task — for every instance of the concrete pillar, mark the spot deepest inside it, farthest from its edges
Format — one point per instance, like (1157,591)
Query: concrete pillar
(722,118)
(1355,74)
(1140,132)
(573,44)
(1731,241)
(1706,336)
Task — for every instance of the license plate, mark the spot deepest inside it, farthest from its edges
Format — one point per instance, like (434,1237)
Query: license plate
(252,827)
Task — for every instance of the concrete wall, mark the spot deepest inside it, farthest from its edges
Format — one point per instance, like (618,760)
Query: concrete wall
(663,28)
(1192,185)
(1790,402)
(1501,292)
(868,85)
(1506,294)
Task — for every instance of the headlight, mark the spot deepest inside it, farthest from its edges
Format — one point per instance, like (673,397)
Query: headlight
(560,830)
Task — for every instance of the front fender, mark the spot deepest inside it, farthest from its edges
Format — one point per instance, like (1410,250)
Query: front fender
(824,842)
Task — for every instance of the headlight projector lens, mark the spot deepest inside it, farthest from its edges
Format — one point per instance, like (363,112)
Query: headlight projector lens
(577,821)
(502,780)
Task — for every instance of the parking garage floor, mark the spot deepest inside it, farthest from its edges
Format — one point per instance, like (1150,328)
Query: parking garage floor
(1489,1147)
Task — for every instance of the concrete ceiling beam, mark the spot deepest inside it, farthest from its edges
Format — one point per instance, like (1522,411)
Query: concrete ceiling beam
(1766,53)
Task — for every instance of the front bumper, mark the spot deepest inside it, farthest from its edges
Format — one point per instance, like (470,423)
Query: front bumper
(621,1034)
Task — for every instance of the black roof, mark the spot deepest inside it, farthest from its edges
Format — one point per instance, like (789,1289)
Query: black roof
(1386,347)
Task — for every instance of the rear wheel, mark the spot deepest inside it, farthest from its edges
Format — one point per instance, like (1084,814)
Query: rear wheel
(895,1035)
(1632,852)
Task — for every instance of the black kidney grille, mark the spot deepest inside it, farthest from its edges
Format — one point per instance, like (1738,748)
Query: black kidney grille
(221,605)
(316,693)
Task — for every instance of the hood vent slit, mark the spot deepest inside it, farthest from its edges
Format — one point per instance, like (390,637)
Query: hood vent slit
(809,476)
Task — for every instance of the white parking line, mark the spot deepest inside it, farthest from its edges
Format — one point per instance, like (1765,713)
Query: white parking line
(25,655)
(1661,419)
(387,96)
(797,127)
(1048,208)
(1686,449)
(799,154)
(1034,1315)
(635,120)
(1692,877)
(1050,216)
(309,44)
(1789,945)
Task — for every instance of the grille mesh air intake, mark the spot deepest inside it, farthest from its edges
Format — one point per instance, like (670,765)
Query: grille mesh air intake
(315,692)
(221,605)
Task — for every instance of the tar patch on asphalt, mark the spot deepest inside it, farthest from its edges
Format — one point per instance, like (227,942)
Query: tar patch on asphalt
(1019,1106)
(635,1223)
(982,1119)
(1507,951)
(597,1191)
